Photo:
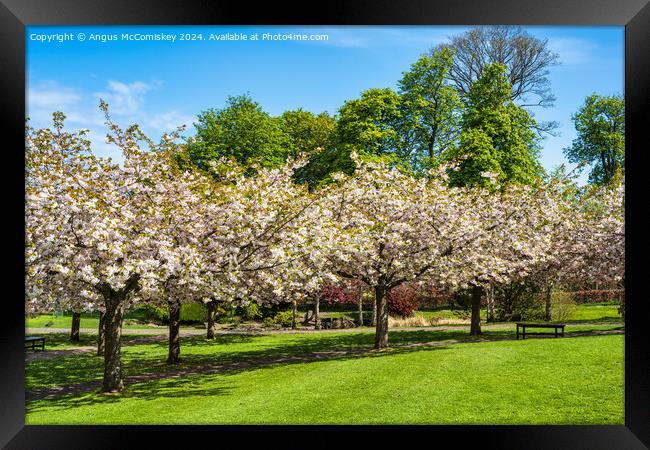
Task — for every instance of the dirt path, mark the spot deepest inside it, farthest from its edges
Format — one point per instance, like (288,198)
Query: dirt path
(80,388)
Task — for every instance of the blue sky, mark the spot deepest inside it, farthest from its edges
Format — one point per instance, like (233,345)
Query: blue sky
(162,84)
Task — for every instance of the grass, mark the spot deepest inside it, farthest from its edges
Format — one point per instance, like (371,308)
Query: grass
(596,313)
(88,320)
(576,380)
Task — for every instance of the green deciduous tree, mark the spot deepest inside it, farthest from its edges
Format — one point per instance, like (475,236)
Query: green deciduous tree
(307,132)
(241,130)
(600,124)
(430,106)
(368,126)
(498,138)
(527,60)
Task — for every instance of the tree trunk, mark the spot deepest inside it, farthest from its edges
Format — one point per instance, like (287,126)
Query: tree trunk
(317,313)
(174,356)
(74,331)
(112,354)
(293,315)
(549,305)
(373,320)
(101,335)
(475,329)
(211,313)
(360,321)
(381,329)
(489,297)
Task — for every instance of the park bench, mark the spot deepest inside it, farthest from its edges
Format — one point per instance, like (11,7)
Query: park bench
(524,325)
(34,341)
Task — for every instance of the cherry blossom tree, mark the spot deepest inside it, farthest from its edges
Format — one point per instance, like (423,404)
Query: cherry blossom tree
(91,222)
(388,228)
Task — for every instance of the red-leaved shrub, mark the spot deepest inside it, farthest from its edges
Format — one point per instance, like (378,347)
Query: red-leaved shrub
(345,292)
(403,300)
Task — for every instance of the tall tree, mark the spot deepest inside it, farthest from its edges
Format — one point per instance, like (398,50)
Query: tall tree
(431,108)
(527,60)
(91,222)
(307,132)
(388,228)
(241,130)
(498,137)
(600,123)
(368,126)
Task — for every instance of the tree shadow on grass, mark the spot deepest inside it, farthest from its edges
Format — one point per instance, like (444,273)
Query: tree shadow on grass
(196,351)
(193,382)
(147,376)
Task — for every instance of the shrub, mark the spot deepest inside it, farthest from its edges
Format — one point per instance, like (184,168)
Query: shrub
(347,292)
(190,313)
(270,310)
(282,318)
(193,312)
(621,308)
(251,311)
(563,306)
(403,300)
(519,301)
(598,296)
(156,314)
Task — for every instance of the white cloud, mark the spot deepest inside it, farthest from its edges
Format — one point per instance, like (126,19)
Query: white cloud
(126,102)
(50,94)
(126,99)
(169,121)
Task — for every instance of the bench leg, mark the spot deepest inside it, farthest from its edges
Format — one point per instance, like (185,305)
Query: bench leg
(517,332)
(556,332)
(523,332)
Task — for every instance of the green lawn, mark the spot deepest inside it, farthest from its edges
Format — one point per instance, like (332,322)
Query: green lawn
(88,320)
(571,380)
(596,313)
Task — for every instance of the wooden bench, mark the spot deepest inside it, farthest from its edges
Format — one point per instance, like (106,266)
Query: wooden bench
(34,341)
(525,325)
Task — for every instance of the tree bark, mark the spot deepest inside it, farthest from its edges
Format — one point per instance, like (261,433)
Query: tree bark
(317,313)
(174,355)
(381,329)
(74,330)
(373,320)
(489,297)
(475,328)
(113,346)
(549,305)
(360,321)
(293,315)
(101,335)
(211,313)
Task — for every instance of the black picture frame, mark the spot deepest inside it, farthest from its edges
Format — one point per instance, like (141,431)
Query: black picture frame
(633,14)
